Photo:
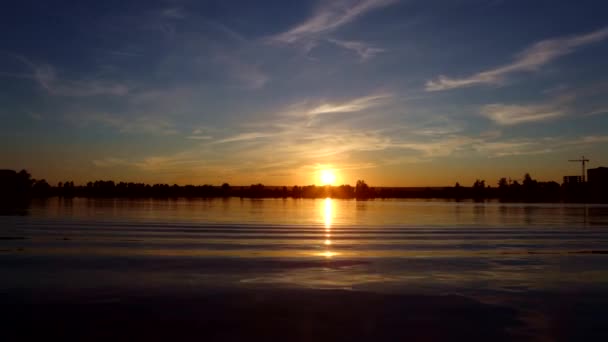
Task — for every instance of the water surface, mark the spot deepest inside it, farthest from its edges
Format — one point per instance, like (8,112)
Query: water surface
(379,245)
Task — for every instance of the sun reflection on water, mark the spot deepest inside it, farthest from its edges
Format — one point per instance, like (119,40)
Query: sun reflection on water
(328,254)
(328,212)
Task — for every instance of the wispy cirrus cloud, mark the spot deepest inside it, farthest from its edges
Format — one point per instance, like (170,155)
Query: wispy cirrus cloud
(46,76)
(354,105)
(513,147)
(110,162)
(153,163)
(597,111)
(566,102)
(173,13)
(330,16)
(246,74)
(289,148)
(200,134)
(199,137)
(536,145)
(284,157)
(291,134)
(528,60)
(142,124)
(517,114)
(244,137)
(363,50)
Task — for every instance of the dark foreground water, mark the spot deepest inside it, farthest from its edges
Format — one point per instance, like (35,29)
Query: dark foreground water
(304,270)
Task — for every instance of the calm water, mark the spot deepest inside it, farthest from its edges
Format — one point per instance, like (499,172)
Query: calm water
(382,245)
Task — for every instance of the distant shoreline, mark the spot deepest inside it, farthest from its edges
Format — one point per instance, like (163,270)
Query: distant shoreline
(20,186)
(443,199)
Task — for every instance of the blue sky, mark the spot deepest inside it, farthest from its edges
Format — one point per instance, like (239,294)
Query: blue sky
(396,92)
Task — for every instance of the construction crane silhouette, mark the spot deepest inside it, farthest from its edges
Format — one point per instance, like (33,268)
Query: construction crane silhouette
(583,160)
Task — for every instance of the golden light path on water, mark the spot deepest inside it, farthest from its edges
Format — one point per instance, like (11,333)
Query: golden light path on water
(328,212)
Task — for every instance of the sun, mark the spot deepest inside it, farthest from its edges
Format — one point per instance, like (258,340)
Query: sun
(328,177)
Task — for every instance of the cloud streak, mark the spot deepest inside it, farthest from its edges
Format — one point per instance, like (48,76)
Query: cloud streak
(362,49)
(530,59)
(597,111)
(244,137)
(564,104)
(142,124)
(330,16)
(509,115)
(46,76)
(153,163)
(355,105)
(173,13)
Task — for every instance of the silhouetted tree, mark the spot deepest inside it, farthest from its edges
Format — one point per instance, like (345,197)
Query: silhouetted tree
(15,191)
(362,190)
(503,183)
(256,190)
(456,191)
(479,189)
(225,190)
(41,188)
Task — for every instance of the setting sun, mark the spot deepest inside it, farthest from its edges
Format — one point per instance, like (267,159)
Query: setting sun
(328,177)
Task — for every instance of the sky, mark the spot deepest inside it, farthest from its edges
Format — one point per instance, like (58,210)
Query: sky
(394,92)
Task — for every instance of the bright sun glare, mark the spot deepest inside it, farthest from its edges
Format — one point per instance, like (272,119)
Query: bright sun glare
(328,177)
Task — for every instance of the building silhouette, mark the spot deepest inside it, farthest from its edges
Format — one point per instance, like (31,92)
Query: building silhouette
(572,180)
(598,177)
(597,184)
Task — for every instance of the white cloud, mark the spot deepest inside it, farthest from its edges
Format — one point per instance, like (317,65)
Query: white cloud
(434,148)
(514,147)
(200,134)
(111,162)
(597,111)
(330,16)
(142,124)
(45,76)
(534,146)
(245,137)
(247,74)
(173,13)
(362,49)
(155,163)
(591,139)
(354,105)
(239,69)
(517,114)
(199,137)
(530,59)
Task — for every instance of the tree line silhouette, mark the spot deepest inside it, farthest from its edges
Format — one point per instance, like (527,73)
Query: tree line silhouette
(19,187)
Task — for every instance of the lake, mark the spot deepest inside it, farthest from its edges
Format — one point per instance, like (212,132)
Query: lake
(506,254)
